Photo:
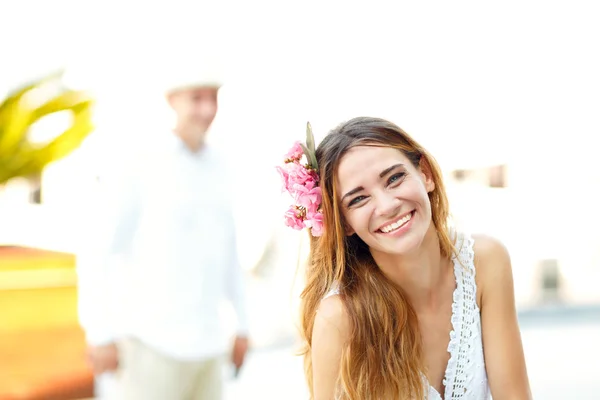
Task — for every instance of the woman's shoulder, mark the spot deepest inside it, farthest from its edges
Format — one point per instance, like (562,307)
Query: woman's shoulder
(333,314)
(491,261)
(330,336)
(483,247)
(488,249)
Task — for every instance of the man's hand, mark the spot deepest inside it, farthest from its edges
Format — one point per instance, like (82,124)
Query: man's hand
(103,358)
(240,348)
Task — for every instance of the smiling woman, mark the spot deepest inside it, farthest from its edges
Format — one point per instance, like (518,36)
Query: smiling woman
(393,307)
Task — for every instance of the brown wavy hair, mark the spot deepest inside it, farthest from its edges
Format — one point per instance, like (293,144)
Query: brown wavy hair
(383,356)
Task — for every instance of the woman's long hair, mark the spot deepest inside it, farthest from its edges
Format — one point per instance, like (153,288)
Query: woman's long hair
(383,357)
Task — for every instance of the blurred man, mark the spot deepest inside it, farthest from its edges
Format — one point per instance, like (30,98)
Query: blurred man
(150,296)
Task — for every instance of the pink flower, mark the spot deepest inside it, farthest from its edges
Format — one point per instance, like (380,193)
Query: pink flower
(295,153)
(294,174)
(309,198)
(311,182)
(293,219)
(300,175)
(285,177)
(316,224)
(300,181)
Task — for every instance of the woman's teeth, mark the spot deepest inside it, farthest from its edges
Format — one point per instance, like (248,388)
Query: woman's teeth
(396,225)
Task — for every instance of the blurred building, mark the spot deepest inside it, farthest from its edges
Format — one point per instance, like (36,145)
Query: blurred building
(552,240)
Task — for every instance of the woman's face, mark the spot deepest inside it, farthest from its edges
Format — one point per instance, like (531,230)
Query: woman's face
(384,198)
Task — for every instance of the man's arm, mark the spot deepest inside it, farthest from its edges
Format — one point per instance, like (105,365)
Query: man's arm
(237,295)
(109,228)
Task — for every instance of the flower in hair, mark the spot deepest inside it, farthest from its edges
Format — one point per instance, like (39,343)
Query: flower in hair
(300,177)
(295,153)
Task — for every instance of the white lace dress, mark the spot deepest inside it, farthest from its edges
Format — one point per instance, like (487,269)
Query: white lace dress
(465,377)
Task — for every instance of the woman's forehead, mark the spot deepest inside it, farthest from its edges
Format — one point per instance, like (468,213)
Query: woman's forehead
(368,162)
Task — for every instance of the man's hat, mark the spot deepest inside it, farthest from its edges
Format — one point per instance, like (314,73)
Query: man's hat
(183,73)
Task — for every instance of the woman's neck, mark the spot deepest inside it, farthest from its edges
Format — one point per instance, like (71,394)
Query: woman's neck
(421,274)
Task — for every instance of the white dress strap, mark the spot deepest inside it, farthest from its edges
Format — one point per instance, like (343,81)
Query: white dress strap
(335,290)
(466,376)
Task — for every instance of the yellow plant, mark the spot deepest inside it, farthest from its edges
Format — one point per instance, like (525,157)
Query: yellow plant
(19,156)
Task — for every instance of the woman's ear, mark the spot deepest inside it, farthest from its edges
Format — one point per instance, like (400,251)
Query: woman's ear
(349,230)
(426,174)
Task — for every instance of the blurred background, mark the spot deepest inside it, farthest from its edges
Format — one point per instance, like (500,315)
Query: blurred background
(505,95)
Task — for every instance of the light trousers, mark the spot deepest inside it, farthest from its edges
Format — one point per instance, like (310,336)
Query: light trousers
(145,374)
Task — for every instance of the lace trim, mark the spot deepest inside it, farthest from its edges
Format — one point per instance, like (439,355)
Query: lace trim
(464,327)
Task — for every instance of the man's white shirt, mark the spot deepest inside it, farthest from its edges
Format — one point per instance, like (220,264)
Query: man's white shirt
(161,260)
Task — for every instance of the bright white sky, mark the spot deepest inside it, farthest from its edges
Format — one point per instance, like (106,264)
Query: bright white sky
(457,75)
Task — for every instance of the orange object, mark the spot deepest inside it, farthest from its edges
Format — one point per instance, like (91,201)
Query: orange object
(42,346)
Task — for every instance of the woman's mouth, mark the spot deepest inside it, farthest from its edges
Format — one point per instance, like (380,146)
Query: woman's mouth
(398,224)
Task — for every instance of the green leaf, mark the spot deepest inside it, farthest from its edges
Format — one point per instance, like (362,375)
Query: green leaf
(310,156)
(310,139)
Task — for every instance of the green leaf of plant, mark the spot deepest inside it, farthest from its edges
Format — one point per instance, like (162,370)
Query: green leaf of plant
(310,157)
(310,139)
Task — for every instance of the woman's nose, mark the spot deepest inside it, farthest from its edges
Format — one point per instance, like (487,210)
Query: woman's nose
(387,204)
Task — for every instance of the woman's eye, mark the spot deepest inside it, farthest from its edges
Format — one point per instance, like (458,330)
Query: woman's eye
(356,200)
(396,178)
